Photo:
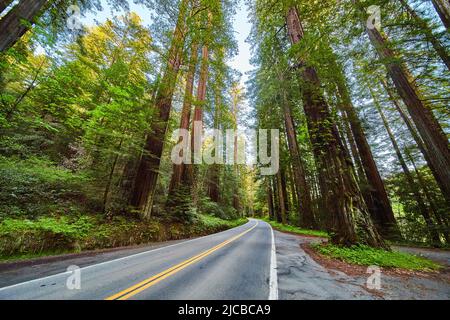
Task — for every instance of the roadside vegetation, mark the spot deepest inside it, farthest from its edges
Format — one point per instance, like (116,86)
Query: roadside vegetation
(25,238)
(368,256)
(293,229)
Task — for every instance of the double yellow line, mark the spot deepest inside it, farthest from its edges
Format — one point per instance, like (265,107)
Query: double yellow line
(147,283)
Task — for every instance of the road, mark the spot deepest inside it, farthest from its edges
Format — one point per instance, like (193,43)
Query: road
(239,263)
(236,264)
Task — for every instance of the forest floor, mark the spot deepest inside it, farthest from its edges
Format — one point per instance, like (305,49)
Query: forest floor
(304,274)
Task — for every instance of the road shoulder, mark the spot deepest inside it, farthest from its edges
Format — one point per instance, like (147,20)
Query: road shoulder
(303,276)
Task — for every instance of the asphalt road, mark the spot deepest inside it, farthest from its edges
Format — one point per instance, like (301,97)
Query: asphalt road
(239,263)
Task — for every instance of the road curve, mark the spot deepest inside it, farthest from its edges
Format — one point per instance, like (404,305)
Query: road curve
(239,263)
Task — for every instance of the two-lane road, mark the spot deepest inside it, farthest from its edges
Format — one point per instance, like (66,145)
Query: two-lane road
(239,263)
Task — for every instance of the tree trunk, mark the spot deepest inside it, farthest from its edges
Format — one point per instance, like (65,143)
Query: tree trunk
(429,128)
(196,145)
(306,214)
(12,26)
(270,199)
(349,218)
(214,179)
(293,189)
(147,174)
(443,9)
(428,33)
(110,177)
(281,197)
(409,178)
(354,150)
(379,205)
(185,117)
(276,197)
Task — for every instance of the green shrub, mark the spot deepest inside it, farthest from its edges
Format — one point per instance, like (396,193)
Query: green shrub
(52,235)
(293,229)
(47,233)
(364,255)
(35,187)
(206,206)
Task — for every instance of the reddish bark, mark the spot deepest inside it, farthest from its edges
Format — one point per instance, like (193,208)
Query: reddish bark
(12,26)
(185,116)
(306,214)
(379,205)
(349,220)
(147,173)
(443,9)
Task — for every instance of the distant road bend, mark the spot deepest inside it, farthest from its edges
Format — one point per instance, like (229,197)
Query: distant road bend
(239,263)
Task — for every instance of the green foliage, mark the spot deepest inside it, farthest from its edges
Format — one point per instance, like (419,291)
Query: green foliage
(293,229)
(212,208)
(24,238)
(364,255)
(211,222)
(35,186)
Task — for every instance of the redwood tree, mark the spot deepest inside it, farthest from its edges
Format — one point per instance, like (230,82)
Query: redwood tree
(147,173)
(350,221)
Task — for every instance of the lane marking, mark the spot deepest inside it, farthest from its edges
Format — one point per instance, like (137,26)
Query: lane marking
(147,283)
(116,260)
(273,282)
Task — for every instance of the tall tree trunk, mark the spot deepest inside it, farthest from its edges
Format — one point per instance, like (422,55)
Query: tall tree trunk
(110,177)
(285,192)
(379,204)
(350,221)
(281,197)
(12,26)
(147,174)
(185,117)
(4,4)
(429,128)
(306,214)
(276,197)
(196,145)
(428,33)
(354,150)
(409,178)
(443,9)
(234,114)
(293,188)
(270,199)
(214,181)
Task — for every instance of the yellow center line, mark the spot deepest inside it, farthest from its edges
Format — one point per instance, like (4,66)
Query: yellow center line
(141,286)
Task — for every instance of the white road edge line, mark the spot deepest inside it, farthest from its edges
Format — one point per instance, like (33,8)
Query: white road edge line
(273,281)
(115,260)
